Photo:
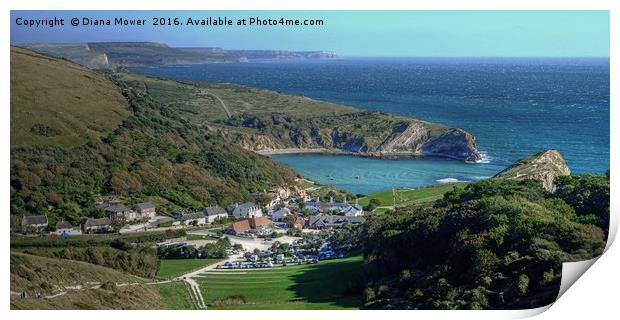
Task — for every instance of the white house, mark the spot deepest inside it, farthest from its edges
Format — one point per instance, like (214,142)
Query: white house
(64,228)
(214,213)
(353,211)
(194,219)
(280,214)
(350,210)
(247,210)
(120,212)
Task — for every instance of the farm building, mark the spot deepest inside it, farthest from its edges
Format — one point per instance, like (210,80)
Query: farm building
(101,225)
(240,226)
(34,223)
(194,219)
(214,213)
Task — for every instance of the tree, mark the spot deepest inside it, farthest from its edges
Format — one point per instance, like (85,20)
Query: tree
(118,223)
(372,204)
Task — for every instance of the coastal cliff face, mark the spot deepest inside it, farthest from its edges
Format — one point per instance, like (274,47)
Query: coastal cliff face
(363,133)
(544,166)
(454,143)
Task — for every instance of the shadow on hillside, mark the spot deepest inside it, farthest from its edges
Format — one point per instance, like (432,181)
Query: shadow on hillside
(339,283)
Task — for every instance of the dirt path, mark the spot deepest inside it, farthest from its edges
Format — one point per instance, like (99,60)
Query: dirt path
(205,92)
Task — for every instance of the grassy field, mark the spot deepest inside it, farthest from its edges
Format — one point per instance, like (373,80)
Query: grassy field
(410,196)
(200,103)
(325,285)
(175,296)
(171,268)
(54,102)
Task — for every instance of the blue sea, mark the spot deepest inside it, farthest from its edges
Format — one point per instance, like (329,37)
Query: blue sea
(514,107)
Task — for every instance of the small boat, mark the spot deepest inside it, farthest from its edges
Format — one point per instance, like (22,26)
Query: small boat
(356,177)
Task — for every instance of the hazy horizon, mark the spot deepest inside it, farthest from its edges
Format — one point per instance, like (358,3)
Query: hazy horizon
(352,33)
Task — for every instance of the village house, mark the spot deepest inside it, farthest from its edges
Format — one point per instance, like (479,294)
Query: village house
(274,200)
(283,193)
(300,193)
(298,224)
(323,221)
(350,210)
(34,223)
(64,228)
(214,213)
(260,223)
(247,210)
(197,219)
(145,210)
(119,212)
(353,211)
(101,225)
(240,226)
(280,214)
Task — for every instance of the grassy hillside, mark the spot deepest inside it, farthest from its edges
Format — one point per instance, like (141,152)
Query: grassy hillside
(60,104)
(262,120)
(176,296)
(150,153)
(51,277)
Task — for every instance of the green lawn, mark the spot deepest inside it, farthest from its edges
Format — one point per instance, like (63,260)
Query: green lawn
(170,268)
(411,196)
(326,285)
(176,296)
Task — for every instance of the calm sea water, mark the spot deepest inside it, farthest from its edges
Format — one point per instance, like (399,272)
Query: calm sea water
(514,107)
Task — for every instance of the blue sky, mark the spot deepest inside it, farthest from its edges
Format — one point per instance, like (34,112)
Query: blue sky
(356,33)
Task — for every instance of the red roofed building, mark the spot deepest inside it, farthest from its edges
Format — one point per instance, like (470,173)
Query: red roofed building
(240,226)
(260,222)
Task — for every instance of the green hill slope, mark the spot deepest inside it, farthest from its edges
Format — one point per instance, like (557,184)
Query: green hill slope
(269,122)
(137,147)
(54,102)
(44,283)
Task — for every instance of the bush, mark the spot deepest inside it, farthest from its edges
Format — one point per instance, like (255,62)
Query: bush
(372,204)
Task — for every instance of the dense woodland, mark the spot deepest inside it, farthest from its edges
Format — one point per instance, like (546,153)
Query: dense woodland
(495,244)
(154,153)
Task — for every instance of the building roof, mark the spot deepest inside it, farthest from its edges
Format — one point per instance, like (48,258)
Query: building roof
(145,205)
(247,206)
(353,210)
(333,221)
(97,222)
(240,226)
(259,222)
(192,216)
(63,225)
(214,211)
(34,220)
(116,208)
(283,211)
